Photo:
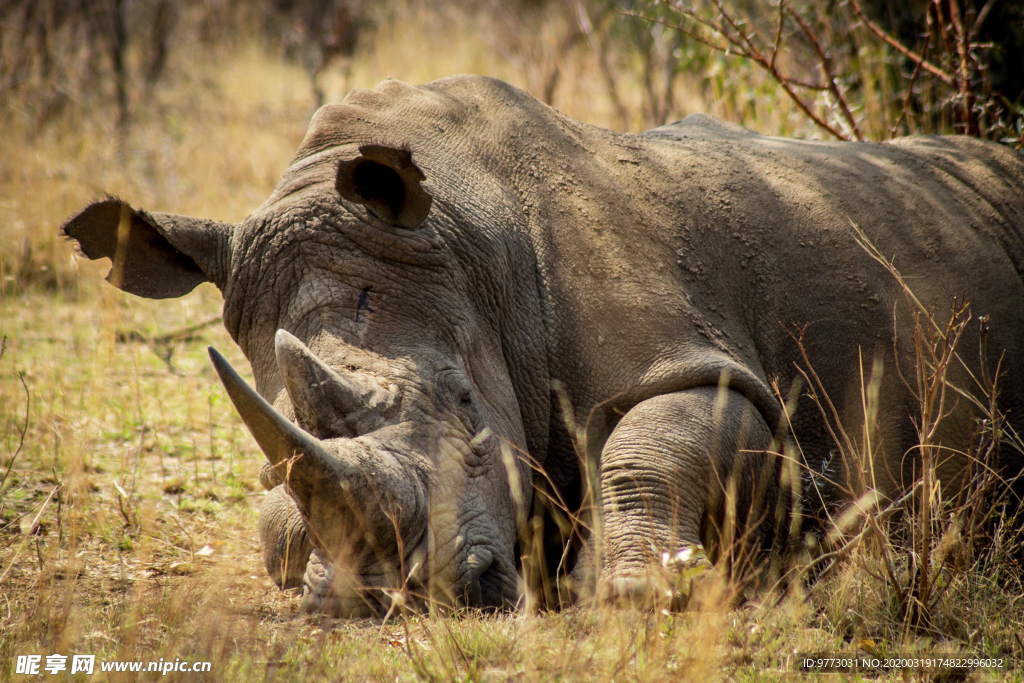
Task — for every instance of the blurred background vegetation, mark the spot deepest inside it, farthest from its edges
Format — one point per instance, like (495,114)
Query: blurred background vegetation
(112,57)
(134,90)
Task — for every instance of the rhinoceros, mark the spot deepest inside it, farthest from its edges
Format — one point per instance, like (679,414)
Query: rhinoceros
(452,282)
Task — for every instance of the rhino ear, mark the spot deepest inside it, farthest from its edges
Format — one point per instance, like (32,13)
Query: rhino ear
(155,255)
(387,182)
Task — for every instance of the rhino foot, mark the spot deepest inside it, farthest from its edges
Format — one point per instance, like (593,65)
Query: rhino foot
(685,579)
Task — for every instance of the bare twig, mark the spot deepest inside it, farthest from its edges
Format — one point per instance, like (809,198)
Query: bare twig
(872,524)
(831,416)
(826,66)
(900,47)
(567,44)
(741,45)
(778,33)
(963,48)
(745,38)
(599,44)
(126,513)
(982,15)
(669,80)
(23,430)
(940,23)
(913,79)
(35,521)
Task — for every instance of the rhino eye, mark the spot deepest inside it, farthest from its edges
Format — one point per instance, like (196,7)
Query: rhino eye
(455,391)
(468,412)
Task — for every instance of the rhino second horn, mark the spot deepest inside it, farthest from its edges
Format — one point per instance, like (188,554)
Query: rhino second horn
(277,437)
(326,403)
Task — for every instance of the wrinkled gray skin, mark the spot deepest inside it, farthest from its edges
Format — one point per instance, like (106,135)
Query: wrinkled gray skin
(436,258)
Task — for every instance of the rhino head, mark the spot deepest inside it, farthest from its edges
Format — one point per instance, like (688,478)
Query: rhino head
(398,387)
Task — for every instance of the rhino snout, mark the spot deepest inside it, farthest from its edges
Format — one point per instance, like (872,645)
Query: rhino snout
(359,499)
(355,497)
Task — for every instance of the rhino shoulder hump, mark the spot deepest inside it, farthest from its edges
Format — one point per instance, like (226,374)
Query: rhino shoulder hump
(700,126)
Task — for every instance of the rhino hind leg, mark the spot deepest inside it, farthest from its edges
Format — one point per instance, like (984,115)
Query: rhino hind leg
(681,473)
(286,544)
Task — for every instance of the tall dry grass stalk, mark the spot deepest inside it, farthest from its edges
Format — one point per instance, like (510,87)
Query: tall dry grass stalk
(909,567)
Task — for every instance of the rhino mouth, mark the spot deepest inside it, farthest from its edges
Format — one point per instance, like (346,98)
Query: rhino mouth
(325,591)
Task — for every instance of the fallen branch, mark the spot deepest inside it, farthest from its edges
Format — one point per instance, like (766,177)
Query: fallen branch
(163,345)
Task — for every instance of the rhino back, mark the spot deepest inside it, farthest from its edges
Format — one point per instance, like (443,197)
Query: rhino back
(702,246)
(660,260)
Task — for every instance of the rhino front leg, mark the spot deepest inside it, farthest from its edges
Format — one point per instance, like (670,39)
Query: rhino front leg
(286,544)
(682,469)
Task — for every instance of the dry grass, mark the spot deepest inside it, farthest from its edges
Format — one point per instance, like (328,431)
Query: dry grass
(128,510)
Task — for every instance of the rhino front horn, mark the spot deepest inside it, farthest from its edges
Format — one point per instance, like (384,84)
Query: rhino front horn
(326,403)
(277,437)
